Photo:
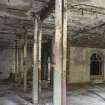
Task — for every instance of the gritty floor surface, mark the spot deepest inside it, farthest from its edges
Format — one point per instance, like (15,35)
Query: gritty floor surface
(84,95)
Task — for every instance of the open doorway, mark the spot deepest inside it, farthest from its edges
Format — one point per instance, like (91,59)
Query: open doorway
(96,67)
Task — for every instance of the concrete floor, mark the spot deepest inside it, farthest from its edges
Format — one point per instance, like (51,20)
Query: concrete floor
(8,96)
(85,95)
(88,95)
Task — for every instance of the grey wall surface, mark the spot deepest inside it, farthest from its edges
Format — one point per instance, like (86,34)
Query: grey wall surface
(7,62)
(79,71)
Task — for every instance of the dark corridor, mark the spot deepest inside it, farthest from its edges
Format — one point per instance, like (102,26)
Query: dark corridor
(47,57)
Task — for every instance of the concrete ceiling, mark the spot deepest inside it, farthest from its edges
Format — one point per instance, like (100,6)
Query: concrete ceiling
(16,19)
(22,8)
(86,21)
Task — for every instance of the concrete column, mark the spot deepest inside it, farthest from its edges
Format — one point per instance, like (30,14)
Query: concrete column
(16,62)
(60,53)
(68,62)
(22,57)
(25,64)
(37,59)
(21,66)
(40,47)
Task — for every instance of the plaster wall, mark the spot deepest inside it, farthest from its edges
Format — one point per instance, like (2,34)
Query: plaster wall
(8,62)
(79,70)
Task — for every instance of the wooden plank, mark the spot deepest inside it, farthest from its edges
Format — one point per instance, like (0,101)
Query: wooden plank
(60,53)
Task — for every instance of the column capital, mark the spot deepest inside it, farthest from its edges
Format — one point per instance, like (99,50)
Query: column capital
(35,16)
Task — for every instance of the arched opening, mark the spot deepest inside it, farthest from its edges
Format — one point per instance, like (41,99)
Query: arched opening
(96,66)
